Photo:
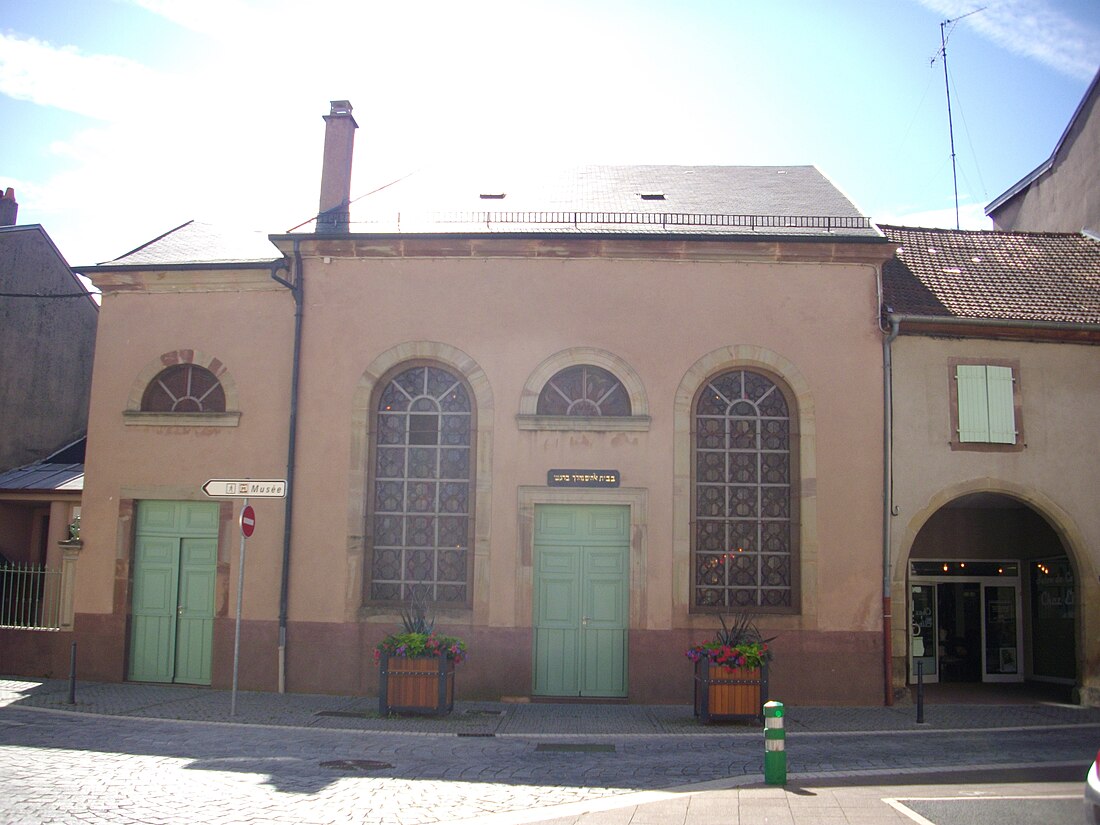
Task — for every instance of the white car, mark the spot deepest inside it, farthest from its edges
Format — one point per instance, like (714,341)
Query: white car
(1092,793)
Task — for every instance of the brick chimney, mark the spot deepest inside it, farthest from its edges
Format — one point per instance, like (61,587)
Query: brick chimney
(340,126)
(9,209)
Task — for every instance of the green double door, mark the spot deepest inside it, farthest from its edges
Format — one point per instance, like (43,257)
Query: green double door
(581,593)
(172,612)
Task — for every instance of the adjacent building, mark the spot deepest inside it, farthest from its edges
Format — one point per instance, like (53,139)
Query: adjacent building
(995,388)
(47,335)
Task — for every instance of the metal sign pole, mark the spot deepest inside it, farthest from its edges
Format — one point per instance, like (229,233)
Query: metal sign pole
(237,631)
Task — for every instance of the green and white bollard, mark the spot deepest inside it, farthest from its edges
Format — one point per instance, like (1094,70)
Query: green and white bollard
(775,745)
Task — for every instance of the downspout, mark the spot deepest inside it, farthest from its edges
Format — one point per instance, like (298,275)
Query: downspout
(297,288)
(887,505)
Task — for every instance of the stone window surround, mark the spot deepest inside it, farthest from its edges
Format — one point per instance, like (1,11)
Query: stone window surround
(362,425)
(528,418)
(804,579)
(726,517)
(388,379)
(134,415)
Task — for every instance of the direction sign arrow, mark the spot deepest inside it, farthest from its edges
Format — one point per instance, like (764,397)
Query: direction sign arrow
(245,488)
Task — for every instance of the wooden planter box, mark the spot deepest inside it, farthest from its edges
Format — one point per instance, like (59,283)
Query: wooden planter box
(421,684)
(725,694)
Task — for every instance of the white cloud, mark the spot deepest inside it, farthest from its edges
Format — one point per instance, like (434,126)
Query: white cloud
(104,87)
(1032,28)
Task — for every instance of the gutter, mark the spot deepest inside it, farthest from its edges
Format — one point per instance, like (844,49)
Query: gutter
(297,289)
(887,505)
(955,320)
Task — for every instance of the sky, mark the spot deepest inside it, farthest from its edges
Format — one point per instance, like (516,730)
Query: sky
(122,119)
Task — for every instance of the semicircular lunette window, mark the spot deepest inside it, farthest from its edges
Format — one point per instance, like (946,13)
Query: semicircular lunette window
(184,388)
(584,390)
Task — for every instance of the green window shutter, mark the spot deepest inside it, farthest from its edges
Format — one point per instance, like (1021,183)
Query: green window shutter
(970,385)
(1002,413)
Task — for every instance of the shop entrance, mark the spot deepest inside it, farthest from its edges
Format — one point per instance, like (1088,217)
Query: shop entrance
(992,596)
(965,623)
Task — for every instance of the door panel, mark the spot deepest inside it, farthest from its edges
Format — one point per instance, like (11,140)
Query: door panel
(558,618)
(172,627)
(153,628)
(923,632)
(1000,616)
(603,628)
(195,622)
(581,593)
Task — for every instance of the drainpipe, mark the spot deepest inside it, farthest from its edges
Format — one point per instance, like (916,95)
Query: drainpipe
(297,288)
(887,505)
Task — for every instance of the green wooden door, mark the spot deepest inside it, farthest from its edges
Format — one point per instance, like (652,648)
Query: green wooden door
(581,591)
(172,622)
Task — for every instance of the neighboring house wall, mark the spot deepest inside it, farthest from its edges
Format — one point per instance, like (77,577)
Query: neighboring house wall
(48,345)
(1051,476)
(494,320)
(1065,195)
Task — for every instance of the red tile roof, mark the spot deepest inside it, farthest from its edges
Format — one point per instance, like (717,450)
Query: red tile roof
(1010,276)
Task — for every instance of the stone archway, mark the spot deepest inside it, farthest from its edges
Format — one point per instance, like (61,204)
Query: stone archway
(993,592)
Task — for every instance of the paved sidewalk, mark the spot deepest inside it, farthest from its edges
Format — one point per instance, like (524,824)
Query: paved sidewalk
(506,719)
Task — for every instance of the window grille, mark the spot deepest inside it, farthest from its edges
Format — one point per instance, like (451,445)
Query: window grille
(423,478)
(184,388)
(584,390)
(742,555)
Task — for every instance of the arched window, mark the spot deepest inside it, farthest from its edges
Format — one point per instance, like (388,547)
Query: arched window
(422,487)
(184,388)
(584,390)
(743,543)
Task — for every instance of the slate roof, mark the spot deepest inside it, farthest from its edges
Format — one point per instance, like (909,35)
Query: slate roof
(1014,276)
(64,470)
(634,200)
(44,478)
(197,243)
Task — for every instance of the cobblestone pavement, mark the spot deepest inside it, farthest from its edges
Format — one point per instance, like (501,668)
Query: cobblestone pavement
(150,754)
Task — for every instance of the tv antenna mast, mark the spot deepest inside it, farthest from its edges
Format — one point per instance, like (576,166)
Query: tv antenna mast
(944,35)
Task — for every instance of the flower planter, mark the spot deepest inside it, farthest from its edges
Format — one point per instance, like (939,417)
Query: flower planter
(416,684)
(726,694)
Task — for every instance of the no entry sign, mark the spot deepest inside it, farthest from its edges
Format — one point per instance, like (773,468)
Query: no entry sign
(248,521)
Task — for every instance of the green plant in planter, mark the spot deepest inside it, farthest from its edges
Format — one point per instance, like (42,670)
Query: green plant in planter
(738,644)
(419,637)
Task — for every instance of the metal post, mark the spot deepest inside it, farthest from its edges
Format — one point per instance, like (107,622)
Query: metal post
(920,693)
(775,745)
(72,674)
(237,631)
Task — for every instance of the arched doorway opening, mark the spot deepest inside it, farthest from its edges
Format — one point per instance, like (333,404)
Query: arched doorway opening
(992,596)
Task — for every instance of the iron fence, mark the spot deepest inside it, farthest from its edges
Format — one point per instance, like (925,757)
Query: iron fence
(30,597)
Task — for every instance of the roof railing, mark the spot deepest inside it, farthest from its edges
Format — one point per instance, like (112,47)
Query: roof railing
(828,223)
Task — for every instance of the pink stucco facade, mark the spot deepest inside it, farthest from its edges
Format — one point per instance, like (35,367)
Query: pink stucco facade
(665,314)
